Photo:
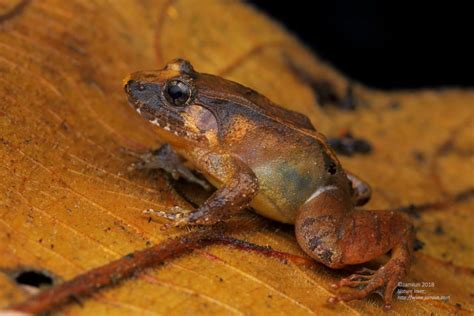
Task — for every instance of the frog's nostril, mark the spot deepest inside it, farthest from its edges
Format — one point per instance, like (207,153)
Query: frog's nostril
(128,86)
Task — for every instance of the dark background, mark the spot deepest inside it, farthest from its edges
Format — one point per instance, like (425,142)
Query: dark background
(386,44)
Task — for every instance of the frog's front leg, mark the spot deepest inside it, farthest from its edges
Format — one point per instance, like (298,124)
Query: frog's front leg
(332,232)
(239,186)
(166,159)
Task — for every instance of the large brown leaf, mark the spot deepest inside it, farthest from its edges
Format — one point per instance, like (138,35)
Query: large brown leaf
(68,203)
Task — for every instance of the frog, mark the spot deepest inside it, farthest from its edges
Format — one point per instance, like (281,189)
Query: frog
(264,157)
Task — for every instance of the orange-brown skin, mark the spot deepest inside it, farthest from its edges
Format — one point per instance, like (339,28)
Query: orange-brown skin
(259,154)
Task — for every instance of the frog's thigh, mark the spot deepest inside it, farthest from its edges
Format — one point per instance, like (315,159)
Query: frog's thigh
(329,230)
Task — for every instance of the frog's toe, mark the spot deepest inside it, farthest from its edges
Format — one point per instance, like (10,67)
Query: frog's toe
(177,217)
(367,281)
(358,279)
(179,223)
(134,166)
(176,214)
(361,286)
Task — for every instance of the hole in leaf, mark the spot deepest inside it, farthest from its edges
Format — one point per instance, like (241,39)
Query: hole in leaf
(34,278)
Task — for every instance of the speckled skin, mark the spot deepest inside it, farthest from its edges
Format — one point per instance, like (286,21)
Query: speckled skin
(257,153)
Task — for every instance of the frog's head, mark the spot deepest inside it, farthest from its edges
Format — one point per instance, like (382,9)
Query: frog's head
(166,98)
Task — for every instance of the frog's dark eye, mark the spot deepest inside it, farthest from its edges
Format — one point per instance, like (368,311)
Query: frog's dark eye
(177,92)
(141,87)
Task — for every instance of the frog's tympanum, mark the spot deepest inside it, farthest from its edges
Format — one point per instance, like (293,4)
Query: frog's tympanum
(259,154)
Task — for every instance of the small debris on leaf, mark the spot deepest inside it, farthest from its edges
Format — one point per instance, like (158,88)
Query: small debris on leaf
(348,145)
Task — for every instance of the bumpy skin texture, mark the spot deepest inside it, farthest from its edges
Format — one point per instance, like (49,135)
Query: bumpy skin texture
(259,154)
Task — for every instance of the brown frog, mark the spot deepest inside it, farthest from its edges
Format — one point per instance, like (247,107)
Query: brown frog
(261,155)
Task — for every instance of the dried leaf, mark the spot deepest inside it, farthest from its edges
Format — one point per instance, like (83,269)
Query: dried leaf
(68,203)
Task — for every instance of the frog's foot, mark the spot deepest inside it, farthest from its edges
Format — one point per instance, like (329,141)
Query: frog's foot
(177,216)
(166,159)
(367,281)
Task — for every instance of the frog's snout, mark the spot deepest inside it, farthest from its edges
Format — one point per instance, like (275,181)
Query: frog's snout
(131,87)
(128,86)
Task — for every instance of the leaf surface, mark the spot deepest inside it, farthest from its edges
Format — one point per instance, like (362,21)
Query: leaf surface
(68,203)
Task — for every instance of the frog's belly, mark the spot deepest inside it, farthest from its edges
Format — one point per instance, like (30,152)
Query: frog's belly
(263,205)
(283,188)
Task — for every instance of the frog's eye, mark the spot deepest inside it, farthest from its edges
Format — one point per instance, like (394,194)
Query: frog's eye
(177,92)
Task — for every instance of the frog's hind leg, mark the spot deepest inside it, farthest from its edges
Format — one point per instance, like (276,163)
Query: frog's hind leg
(330,231)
